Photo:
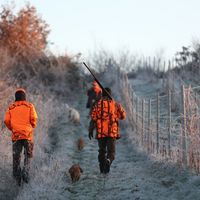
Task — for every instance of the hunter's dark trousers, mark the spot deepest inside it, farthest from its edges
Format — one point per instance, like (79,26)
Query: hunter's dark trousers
(18,147)
(106,149)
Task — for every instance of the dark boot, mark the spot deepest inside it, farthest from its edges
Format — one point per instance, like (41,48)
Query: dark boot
(17,177)
(19,181)
(25,176)
(101,167)
(107,166)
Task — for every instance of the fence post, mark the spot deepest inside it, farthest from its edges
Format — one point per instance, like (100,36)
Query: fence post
(158,123)
(143,121)
(184,147)
(197,110)
(133,108)
(149,126)
(136,113)
(169,123)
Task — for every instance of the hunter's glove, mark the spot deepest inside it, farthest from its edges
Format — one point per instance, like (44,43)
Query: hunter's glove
(90,135)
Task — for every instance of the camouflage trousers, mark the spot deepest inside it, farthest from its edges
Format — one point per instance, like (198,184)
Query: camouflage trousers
(18,146)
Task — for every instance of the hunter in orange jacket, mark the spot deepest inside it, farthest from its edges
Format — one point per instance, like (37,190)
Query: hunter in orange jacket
(105,118)
(21,118)
(106,114)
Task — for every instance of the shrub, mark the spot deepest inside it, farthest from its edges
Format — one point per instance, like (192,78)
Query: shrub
(24,34)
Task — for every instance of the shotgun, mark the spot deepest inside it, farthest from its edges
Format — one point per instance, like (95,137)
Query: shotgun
(97,81)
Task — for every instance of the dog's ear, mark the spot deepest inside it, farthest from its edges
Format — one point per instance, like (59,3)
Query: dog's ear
(81,170)
(71,169)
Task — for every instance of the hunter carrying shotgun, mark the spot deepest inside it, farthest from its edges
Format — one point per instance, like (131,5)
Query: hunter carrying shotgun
(105,116)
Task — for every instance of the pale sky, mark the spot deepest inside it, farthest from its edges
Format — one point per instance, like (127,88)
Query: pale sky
(142,26)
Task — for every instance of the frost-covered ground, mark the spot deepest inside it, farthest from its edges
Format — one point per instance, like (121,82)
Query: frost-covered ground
(146,87)
(133,174)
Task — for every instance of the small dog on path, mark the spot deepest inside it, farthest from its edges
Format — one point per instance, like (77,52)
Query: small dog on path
(75,172)
(80,144)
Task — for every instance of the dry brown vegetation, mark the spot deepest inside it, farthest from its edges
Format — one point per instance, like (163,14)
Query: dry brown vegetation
(24,35)
(23,58)
(46,78)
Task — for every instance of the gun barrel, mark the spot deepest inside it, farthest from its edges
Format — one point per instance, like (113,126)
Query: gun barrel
(97,80)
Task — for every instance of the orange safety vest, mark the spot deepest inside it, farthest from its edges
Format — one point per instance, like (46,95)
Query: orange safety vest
(21,118)
(106,114)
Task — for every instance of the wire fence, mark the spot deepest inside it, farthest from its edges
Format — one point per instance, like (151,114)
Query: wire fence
(167,126)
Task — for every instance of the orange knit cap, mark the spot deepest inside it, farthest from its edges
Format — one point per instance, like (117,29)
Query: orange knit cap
(20,89)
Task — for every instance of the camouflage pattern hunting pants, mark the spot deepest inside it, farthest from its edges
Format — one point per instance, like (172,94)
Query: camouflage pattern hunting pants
(18,147)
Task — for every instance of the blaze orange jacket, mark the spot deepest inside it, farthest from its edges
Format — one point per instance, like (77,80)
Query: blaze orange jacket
(93,94)
(21,118)
(106,115)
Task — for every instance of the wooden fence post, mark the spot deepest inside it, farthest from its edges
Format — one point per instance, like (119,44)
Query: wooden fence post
(158,124)
(184,146)
(143,121)
(149,126)
(133,109)
(136,112)
(197,110)
(169,123)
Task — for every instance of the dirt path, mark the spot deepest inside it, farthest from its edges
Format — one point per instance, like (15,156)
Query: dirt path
(133,175)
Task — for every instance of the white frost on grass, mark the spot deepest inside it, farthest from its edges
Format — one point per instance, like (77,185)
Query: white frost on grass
(133,175)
